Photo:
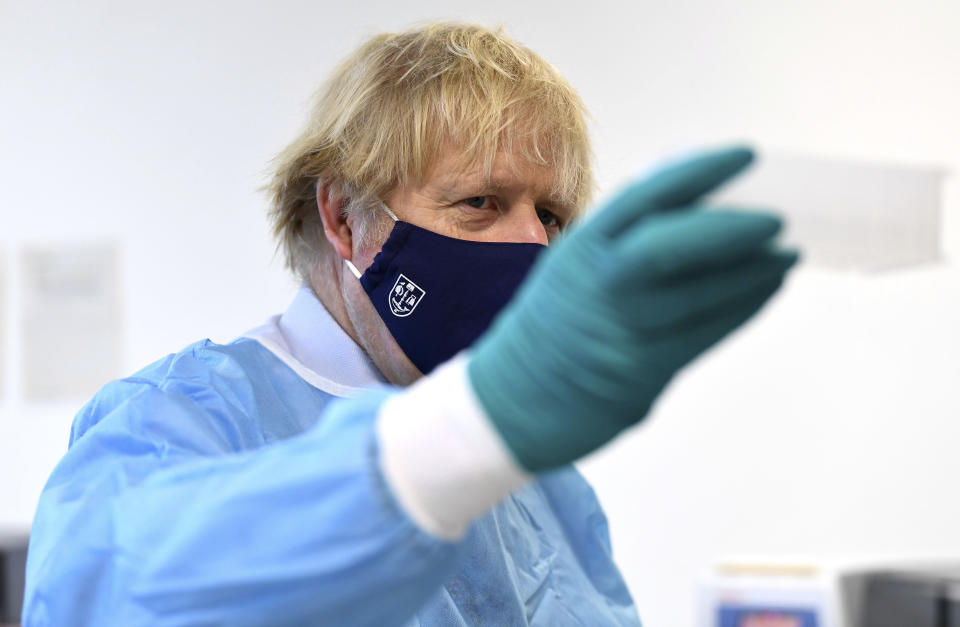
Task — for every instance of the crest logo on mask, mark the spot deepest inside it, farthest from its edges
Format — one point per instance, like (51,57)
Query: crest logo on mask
(404,297)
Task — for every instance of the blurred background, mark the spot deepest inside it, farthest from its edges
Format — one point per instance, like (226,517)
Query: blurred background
(134,138)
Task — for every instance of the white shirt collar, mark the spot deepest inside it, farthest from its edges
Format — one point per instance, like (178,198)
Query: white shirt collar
(309,340)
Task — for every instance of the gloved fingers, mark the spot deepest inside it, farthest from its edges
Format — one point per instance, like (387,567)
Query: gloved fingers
(678,185)
(674,305)
(668,246)
(680,346)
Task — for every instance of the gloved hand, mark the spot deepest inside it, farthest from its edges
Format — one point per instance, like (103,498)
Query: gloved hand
(613,310)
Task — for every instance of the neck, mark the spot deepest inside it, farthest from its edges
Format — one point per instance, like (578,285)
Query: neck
(348,304)
(326,281)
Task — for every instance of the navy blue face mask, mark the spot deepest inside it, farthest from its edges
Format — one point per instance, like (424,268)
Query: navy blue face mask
(438,294)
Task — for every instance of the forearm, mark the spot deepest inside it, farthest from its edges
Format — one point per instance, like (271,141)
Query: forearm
(303,530)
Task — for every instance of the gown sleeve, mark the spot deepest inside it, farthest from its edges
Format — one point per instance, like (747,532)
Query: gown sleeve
(159,514)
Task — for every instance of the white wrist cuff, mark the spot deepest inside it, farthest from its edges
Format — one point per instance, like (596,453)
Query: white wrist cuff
(441,456)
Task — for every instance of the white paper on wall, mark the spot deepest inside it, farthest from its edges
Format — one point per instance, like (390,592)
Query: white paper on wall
(848,214)
(71,320)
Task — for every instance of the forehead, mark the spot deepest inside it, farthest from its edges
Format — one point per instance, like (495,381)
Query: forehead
(454,171)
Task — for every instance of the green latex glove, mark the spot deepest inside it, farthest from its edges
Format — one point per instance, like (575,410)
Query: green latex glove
(613,310)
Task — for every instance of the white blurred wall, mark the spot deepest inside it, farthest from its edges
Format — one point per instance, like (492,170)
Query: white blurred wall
(829,427)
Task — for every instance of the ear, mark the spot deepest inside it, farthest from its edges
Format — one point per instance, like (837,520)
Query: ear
(330,203)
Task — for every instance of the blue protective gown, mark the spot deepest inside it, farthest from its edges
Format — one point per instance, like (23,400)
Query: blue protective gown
(226,485)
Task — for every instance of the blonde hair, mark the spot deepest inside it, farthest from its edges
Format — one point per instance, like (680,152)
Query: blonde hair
(385,114)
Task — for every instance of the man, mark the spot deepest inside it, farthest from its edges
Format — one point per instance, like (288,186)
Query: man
(226,484)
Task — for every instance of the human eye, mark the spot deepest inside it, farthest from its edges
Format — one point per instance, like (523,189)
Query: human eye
(478,202)
(548,218)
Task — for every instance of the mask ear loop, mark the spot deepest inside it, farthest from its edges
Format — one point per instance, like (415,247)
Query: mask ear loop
(353,269)
(389,213)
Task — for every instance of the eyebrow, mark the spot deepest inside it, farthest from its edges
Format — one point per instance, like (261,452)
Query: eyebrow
(457,185)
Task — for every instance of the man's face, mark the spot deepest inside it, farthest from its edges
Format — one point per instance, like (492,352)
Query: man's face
(457,200)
